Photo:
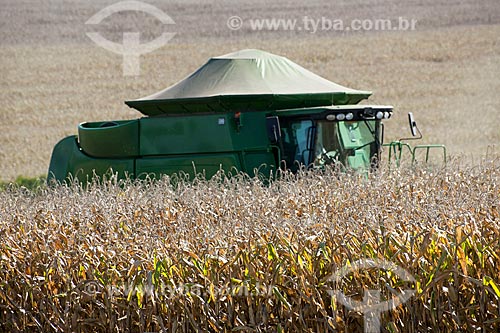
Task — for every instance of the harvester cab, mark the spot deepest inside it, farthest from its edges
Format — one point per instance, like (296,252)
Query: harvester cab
(349,136)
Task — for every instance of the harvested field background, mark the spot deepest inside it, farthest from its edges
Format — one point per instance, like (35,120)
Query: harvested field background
(54,76)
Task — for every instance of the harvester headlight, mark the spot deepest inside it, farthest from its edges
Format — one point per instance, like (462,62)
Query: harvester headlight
(340,116)
(379,115)
(386,115)
(349,116)
(330,117)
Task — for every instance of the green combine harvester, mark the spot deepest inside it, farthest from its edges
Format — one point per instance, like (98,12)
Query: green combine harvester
(248,111)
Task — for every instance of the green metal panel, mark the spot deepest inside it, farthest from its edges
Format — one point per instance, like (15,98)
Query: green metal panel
(110,139)
(231,141)
(84,167)
(67,159)
(251,132)
(185,135)
(61,154)
(354,135)
(360,160)
(190,164)
(202,134)
(259,162)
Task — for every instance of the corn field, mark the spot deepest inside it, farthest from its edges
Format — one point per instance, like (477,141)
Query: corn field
(234,254)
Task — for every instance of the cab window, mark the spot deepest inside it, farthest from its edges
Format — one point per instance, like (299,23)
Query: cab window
(296,135)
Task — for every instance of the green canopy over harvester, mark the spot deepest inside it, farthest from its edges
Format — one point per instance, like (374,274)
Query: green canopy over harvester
(247,80)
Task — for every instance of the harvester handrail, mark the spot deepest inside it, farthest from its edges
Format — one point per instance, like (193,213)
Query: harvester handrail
(397,147)
(428,147)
